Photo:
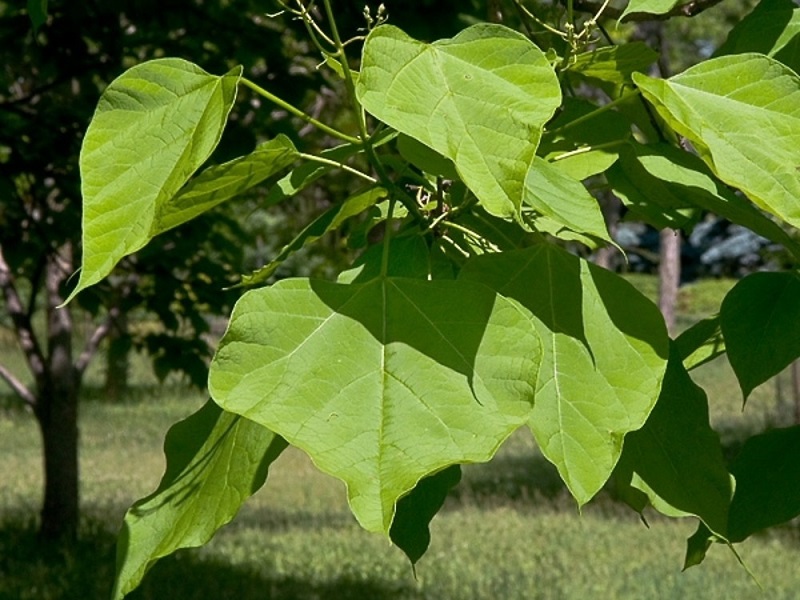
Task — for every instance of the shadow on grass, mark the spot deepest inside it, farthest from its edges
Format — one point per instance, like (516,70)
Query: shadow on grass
(84,570)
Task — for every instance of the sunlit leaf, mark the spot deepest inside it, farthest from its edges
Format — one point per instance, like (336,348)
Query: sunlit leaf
(155,125)
(380,383)
(215,461)
(742,114)
(653,7)
(479,99)
(564,200)
(220,183)
(604,355)
(760,321)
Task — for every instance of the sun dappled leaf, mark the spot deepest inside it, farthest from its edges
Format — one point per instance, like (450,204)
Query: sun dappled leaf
(564,200)
(479,99)
(613,64)
(742,113)
(667,186)
(215,461)
(380,383)
(604,354)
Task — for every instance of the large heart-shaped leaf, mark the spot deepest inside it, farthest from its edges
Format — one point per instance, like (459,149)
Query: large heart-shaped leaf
(760,321)
(604,349)
(480,99)
(155,125)
(380,383)
(215,461)
(742,113)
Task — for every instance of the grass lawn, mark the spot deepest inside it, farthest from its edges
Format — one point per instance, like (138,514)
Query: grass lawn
(509,531)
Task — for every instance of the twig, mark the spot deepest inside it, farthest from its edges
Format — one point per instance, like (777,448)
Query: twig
(690,9)
(22,324)
(19,388)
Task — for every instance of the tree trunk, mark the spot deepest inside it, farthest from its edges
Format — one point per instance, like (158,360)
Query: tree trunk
(57,411)
(58,423)
(118,355)
(669,274)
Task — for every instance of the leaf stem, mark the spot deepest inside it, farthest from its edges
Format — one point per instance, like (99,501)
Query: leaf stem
(585,149)
(299,113)
(340,165)
(387,238)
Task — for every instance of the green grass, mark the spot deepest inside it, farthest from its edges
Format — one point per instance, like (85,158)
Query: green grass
(509,530)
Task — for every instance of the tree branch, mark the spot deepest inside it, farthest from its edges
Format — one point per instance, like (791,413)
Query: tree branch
(22,323)
(99,334)
(19,388)
(690,9)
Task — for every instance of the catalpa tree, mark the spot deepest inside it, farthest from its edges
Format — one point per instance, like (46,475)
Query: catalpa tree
(468,317)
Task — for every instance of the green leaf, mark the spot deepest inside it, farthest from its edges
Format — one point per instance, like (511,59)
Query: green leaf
(580,152)
(613,64)
(666,186)
(409,530)
(155,125)
(330,220)
(700,343)
(479,99)
(767,483)
(425,158)
(742,113)
(37,11)
(309,172)
(604,349)
(760,321)
(380,383)
(653,7)
(408,257)
(773,28)
(676,458)
(215,461)
(564,200)
(220,183)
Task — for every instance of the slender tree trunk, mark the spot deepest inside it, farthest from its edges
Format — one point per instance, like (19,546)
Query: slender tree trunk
(669,269)
(669,275)
(57,411)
